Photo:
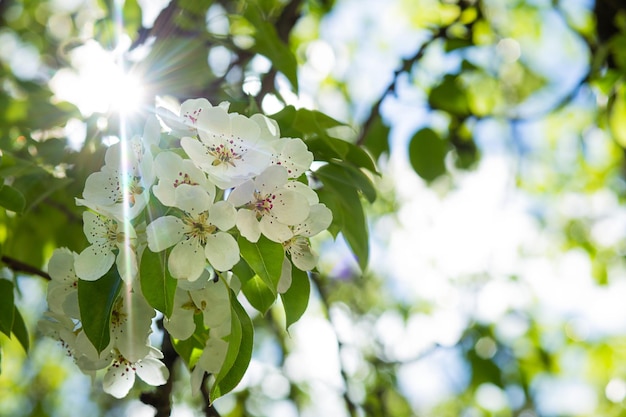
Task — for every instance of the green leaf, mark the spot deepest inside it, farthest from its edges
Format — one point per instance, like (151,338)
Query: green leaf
(341,197)
(12,199)
(449,96)
(269,44)
(7,307)
(296,299)
(19,330)
(239,354)
(95,301)
(258,294)
(157,284)
(427,153)
(377,138)
(265,258)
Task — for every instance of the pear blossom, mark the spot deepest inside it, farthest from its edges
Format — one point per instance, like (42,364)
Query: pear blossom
(269,206)
(299,246)
(198,236)
(106,236)
(172,171)
(62,293)
(120,188)
(231,148)
(120,376)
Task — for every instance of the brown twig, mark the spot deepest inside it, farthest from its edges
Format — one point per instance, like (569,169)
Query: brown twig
(19,266)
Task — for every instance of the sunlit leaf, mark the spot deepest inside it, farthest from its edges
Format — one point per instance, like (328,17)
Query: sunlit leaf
(95,301)
(258,294)
(157,284)
(265,258)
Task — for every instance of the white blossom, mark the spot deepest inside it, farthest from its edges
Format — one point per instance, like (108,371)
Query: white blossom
(198,236)
(269,206)
(121,188)
(62,293)
(231,147)
(120,376)
(299,246)
(173,171)
(106,236)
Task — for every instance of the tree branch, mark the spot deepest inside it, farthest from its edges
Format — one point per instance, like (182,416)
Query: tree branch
(209,410)
(405,66)
(19,266)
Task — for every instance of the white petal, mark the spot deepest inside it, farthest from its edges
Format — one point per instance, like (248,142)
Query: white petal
(294,155)
(320,217)
(213,356)
(180,325)
(269,127)
(290,208)
(302,256)
(272,178)
(197,152)
(242,194)
(167,163)
(244,128)
(152,371)
(304,190)
(187,260)
(164,232)
(127,263)
(192,199)
(151,131)
(94,227)
(61,265)
(248,225)
(275,230)
(102,188)
(285,277)
(93,262)
(222,251)
(118,380)
(214,120)
(223,215)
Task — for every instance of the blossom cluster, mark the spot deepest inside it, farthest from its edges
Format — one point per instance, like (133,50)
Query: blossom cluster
(189,187)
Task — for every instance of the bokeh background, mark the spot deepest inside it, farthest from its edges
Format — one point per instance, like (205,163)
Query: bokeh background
(496,279)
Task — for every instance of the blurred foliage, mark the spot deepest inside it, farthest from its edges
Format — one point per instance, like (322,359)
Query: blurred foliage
(473,66)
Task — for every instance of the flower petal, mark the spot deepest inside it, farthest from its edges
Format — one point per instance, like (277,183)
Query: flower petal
(320,217)
(119,379)
(242,194)
(93,262)
(164,232)
(152,371)
(187,260)
(222,251)
(192,199)
(275,230)
(248,225)
(223,214)
(290,208)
